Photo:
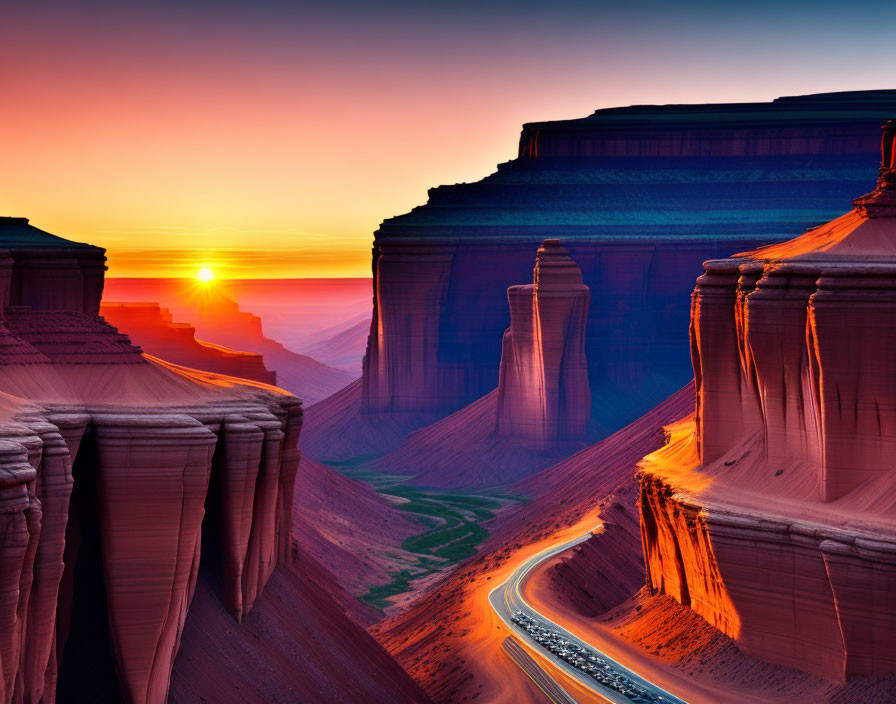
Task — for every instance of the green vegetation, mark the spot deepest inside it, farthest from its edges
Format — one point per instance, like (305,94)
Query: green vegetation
(454,520)
(378,597)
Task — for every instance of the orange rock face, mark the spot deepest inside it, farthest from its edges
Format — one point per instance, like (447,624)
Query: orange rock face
(543,394)
(770,512)
(153,329)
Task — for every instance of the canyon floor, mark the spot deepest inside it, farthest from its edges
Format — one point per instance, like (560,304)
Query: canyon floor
(410,546)
(451,641)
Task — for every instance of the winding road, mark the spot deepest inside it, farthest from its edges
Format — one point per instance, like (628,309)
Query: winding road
(594,669)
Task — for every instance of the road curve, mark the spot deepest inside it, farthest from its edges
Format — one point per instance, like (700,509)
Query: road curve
(553,691)
(605,676)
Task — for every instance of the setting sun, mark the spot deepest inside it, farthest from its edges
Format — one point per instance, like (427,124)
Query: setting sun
(205,274)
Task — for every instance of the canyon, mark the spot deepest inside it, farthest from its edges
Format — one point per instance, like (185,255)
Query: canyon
(133,490)
(450,640)
(762,521)
(163,539)
(769,512)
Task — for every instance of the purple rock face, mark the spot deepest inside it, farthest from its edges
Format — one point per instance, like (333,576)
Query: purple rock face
(640,197)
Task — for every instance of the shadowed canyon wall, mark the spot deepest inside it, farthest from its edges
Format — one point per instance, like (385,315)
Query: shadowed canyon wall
(639,196)
(540,411)
(771,512)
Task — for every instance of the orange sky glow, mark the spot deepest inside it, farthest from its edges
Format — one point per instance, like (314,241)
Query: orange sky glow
(273,143)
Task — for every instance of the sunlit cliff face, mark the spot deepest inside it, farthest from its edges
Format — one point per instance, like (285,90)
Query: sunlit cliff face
(771,511)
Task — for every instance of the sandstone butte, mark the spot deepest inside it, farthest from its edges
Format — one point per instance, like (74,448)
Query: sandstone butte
(543,392)
(121,475)
(771,511)
(540,411)
(636,195)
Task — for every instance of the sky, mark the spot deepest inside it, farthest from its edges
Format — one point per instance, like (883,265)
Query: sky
(269,139)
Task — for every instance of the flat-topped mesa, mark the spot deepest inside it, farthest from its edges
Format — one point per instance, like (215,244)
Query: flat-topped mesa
(52,273)
(637,195)
(772,512)
(787,126)
(116,472)
(543,391)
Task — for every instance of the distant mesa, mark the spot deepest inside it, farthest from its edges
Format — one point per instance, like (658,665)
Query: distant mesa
(771,512)
(219,323)
(153,329)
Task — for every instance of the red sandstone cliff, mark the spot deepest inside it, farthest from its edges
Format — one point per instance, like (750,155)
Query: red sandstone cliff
(770,512)
(131,448)
(127,486)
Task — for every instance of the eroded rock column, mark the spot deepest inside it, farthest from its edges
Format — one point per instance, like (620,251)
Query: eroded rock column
(717,370)
(775,334)
(153,477)
(37,674)
(15,500)
(852,333)
(543,392)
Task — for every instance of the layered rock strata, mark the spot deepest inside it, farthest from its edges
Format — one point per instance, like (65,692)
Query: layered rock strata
(637,195)
(171,466)
(771,512)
